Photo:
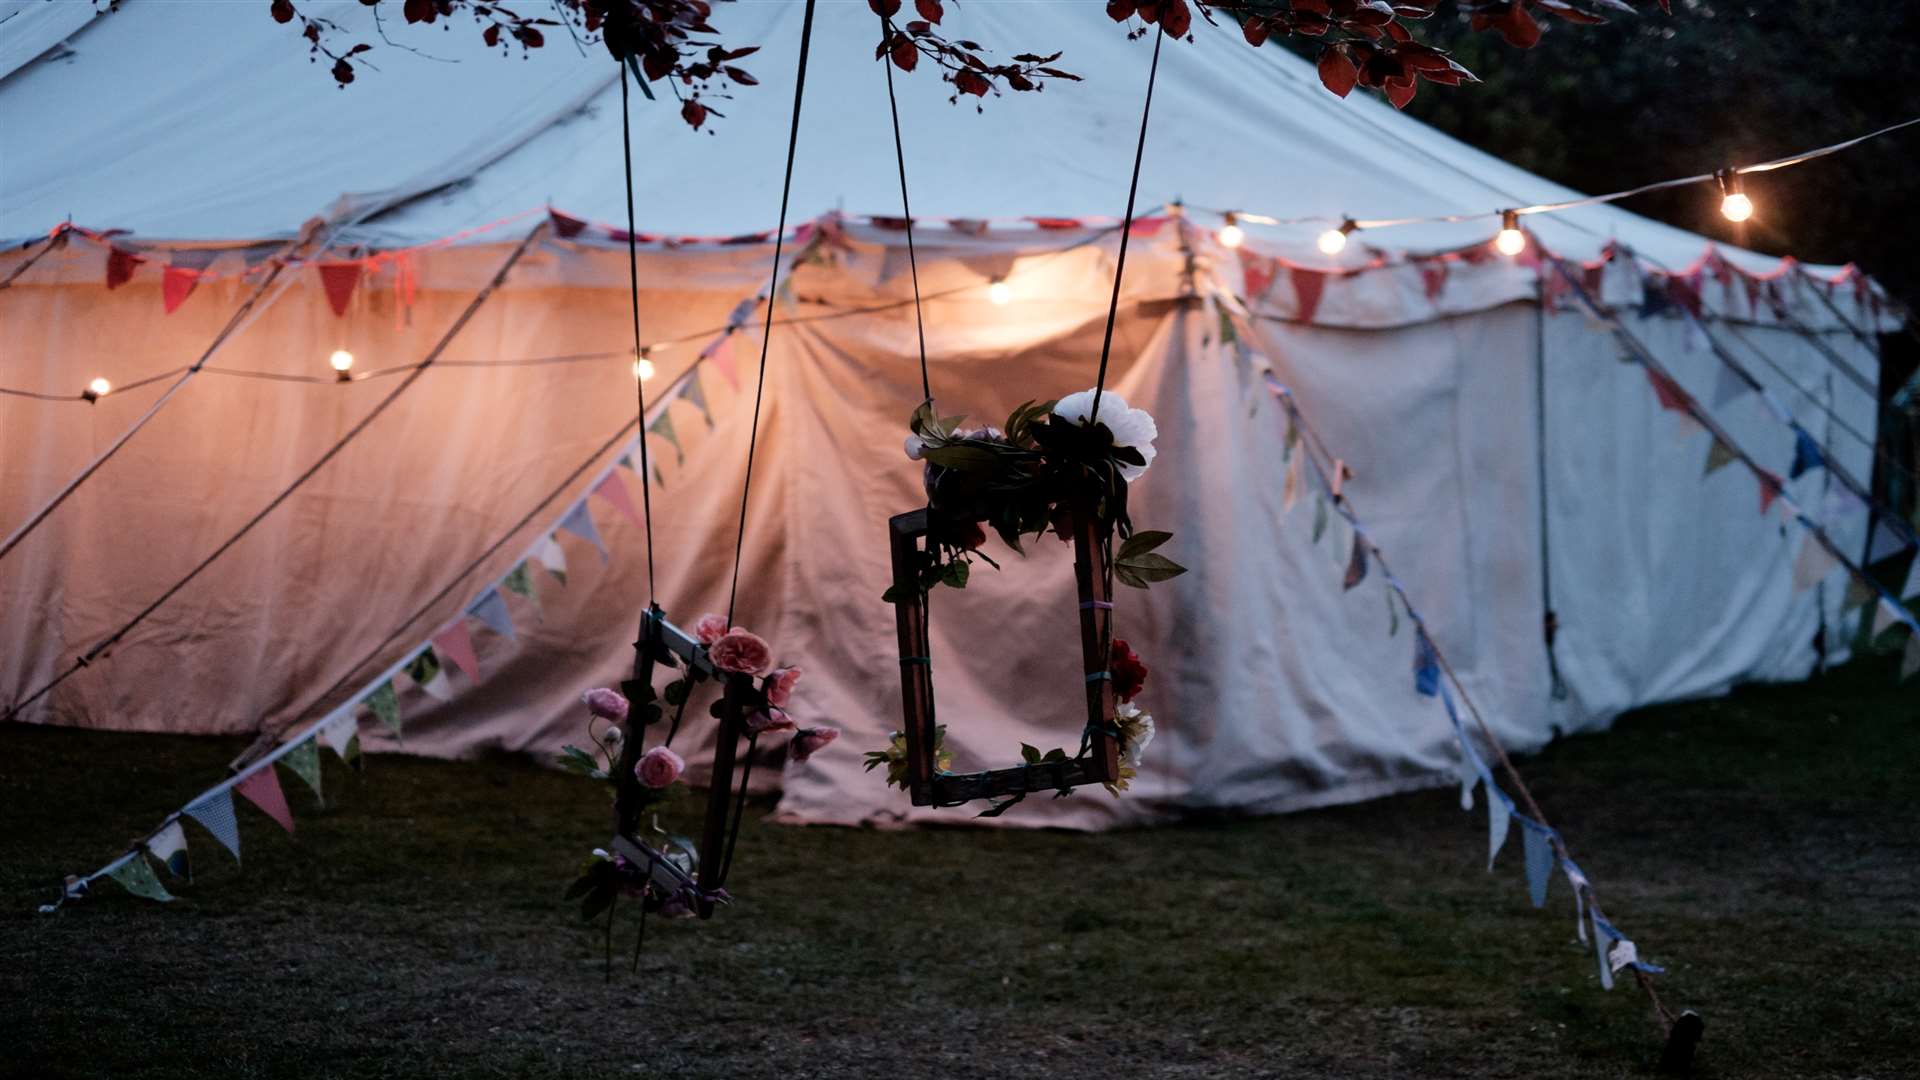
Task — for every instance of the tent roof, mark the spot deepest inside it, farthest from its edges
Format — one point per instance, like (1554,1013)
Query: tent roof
(194,122)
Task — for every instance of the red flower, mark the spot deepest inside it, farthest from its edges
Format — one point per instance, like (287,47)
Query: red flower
(1129,673)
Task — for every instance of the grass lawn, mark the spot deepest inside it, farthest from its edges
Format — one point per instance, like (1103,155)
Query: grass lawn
(1765,847)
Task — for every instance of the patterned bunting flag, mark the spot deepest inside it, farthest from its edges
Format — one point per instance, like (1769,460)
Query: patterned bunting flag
(691,393)
(304,760)
(341,733)
(518,581)
(1426,666)
(139,879)
(1806,454)
(1719,455)
(215,813)
(1499,822)
(385,704)
(430,675)
(262,788)
(611,489)
(491,609)
(579,522)
(1357,563)
(554,558)
(456,644)
(169,846)
(1538,841)
(1813,564)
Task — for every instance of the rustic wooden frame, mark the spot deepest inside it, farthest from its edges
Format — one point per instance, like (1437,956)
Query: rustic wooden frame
(907,538)
(663,642)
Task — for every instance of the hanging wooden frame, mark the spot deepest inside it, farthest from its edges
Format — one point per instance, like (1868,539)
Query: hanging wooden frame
(1099,760)
(661,642)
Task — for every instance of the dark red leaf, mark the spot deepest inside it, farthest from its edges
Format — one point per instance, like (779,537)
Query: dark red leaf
(885,8)
(919,26)
(1518,27)
(741,76)
(971,82)
(1019,81)
(1337,72)
(929,10)
(529,37)
(1402,92)
(282,11)
(492,35)
(1120,10)
(693,112)
(1255,30)
(905,56)
(342,72)
(1175,17)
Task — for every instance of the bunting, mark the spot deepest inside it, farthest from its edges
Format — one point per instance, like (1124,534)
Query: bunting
(121,264)
(693,395)
(518,581)
(663,427)
(1308,285)
(1813,564)
(262,788)
(304,760)
(1719,455)
(491,610)
(1499,822)
(214,811)
(385,704)
(339,279)
(1538,841)
(456,644)
(169,847)
(341,734)
(1727,385)
(1357,564)
(553,558)
(720,354)
(138,878)
(579,522)
(611,489)
(1806,454)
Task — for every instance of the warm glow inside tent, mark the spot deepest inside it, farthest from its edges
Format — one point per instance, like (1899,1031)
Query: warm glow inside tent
(1500,449)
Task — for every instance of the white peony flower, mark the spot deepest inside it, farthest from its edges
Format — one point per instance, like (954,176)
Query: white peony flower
(916,446)
(1136,727)
(1130,427)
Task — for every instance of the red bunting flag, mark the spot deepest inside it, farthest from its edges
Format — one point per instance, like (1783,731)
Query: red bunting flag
(1684,291)
(262,789)
(339,280)
(565,227)
(1307,287)
(1669,392)
(1433,277)
(1256,274)
(1146,226)
(176,284)
(120,266)
(1056,223)
(456,644)
(1594,278)
(611,489)
(1769,488)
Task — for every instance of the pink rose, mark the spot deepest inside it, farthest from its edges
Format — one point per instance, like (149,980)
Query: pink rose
(760,723)
(710,628)
(809,741)
(606,704)
(780,685)
(659,767)
(741,651)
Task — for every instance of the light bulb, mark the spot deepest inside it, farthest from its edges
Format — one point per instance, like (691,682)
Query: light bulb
(98,388)
(643,369)
(1511,240)
(1333,242)
(1231,235)
(1736,206)
(341,361)
(1000,292)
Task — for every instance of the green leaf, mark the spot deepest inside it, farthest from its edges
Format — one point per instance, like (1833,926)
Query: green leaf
(1142,542)
(1319,519)
(575,760)
(966,458)
(1393,616)
(1143,570)
(596,902)
(956,573)
(1002,807)
(677,692)
(1055,754)
(1029,754)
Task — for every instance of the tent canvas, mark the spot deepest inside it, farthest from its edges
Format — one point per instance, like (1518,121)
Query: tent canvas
(1469,417)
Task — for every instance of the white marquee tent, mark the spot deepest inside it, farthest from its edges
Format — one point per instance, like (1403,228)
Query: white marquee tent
(1499,450)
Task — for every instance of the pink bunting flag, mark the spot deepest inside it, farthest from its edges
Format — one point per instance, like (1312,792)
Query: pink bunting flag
(1433,276)
(1146,226)
(120,266)
(339,280)
(456,644)
(611,489)
(262,789)
(176,284)
(1256,273)
(1307,287)
(721,353)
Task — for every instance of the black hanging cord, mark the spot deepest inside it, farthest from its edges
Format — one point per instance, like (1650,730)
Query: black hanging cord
(633,284)
(1126,229)
(906,211)
(766,334)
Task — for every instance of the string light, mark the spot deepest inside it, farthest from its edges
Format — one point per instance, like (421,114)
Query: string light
(999,292)
(1334,241)
(643,368)
(1734,203)
(1511,240)
(341,362)
(1231,234)
(97,389)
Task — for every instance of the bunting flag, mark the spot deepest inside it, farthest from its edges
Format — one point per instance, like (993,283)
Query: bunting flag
(138,878)
(565,227)
(215,813)
(1886,542)
(120,266)
(1357,563)
(385,704)
(1577,882)
(626,462)
(1308,285)
(1910,660)
(1806,454)
(1600,943)
(491,609)
(1719,455)
(579,522)
(169,846)
(1813,564)
(1669,393)
(304,760)
(1319,519)
(1912,587)
(176,284)
(341,734)
(262,788)
(1727,385)
(1499,822)
(429,675)
(1884,617)
(691,393)
(1426,666)
(611,489)
(721,355)
(518,581)
(1769,489)
(1538,840)
(1290,492)
(553,558)
(1468,770)
(1433,278)
(339,279)
(456,644)
(1858,594)
(1256,275)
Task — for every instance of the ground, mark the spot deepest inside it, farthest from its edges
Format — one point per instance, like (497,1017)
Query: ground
(1763,846)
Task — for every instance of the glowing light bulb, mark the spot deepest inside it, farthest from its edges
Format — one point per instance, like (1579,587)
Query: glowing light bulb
(1511,240)
(643,369)
(1231,234)
(1000,292)
(341,361)
(98,388)
(1736,206)
(1333,242)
